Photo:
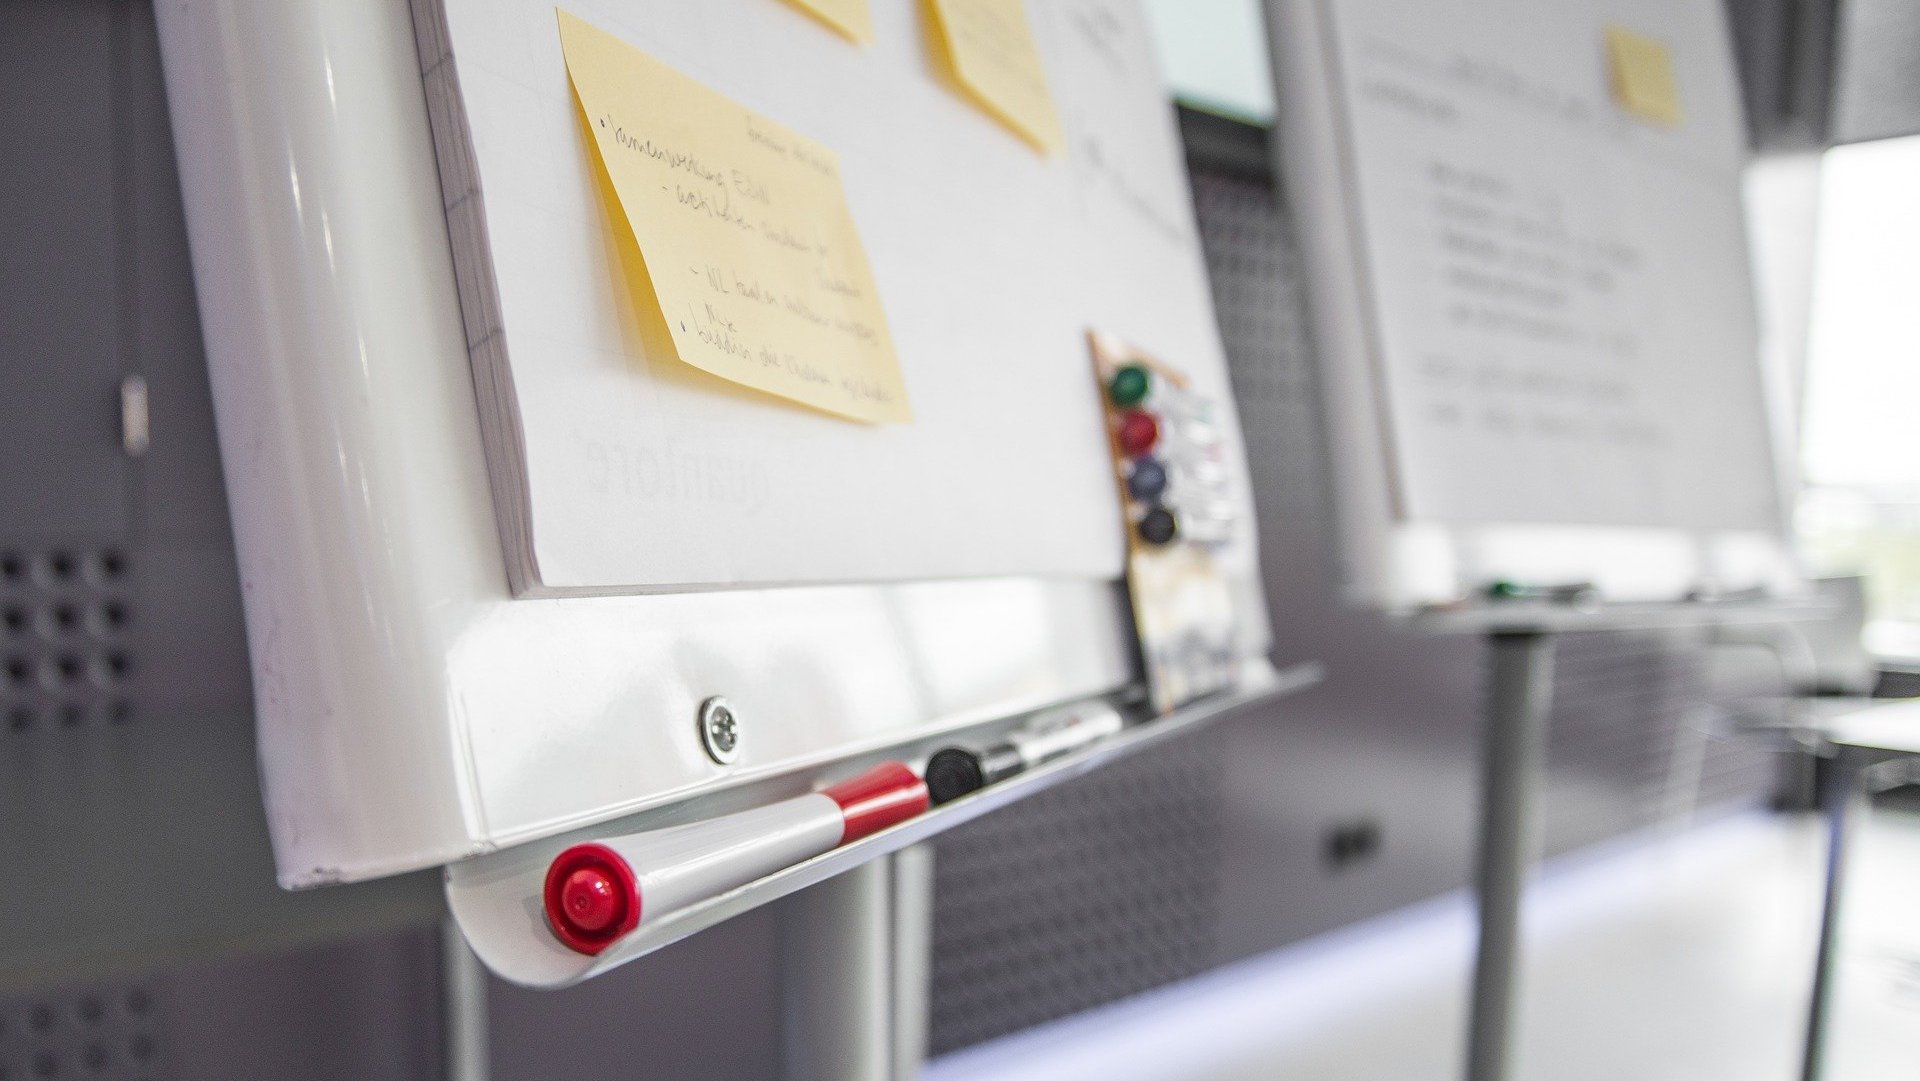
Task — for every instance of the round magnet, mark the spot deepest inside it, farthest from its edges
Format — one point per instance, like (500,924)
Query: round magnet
(1130,385)
(1147,480)
(1139,431)
(1158,526)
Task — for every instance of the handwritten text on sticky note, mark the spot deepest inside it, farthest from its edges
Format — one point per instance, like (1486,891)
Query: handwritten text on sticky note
(852,18)
(989,45)
(745,232)
(1641,70)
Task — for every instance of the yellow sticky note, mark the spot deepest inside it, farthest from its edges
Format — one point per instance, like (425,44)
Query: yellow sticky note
(989,46)
(1641,70)
(745,232)
(852,18)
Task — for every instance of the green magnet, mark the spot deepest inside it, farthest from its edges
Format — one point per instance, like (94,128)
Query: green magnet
(1130,385)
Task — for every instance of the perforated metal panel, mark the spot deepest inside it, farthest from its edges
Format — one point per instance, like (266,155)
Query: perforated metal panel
(1636,737)
(69,659)
(103,1031)
(1099,889)
(360,1010)
(1252,259)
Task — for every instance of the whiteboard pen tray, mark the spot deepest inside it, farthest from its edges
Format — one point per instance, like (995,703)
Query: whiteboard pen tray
(496,898)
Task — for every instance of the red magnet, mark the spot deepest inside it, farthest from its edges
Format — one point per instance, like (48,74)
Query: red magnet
(1139,431)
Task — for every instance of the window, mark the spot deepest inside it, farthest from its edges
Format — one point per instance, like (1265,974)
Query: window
(1861,509)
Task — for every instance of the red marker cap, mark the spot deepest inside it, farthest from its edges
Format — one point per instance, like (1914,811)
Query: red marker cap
(591,897)
(886,794)
(1139,431)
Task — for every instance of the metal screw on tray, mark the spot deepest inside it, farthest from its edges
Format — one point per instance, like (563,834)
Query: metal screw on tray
(719,730)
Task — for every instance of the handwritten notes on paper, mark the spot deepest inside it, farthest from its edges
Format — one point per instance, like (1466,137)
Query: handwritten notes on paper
(852,18)
(745,231)
(1552,289)
(1641,71)
(989,45)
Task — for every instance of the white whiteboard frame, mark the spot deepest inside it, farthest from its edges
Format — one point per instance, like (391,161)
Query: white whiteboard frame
(411,711)
(1387,561)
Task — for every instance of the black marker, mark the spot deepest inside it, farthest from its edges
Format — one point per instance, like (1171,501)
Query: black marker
(953,772)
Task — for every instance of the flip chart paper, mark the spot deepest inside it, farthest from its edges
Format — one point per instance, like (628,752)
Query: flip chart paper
(1641,71)
(619,468)
(989,45)
(852,18)
(1561,305)
(745,230)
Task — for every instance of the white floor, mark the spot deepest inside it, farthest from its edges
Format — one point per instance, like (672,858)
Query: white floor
(1683,956)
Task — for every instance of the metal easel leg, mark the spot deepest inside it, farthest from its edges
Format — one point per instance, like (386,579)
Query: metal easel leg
(853,955)
(1519,691)
(912,957)
(463,991)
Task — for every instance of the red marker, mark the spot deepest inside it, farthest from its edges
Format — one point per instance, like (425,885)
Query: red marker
(596,892)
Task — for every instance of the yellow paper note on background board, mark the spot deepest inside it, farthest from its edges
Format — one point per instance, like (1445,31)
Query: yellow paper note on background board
(990,48)
(852,18)
(1641,71)
(745,231)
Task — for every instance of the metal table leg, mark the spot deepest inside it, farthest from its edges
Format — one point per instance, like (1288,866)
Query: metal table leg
(1520,684)
(1837,795)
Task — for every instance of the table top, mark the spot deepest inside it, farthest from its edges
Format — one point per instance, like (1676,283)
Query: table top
(1888,725)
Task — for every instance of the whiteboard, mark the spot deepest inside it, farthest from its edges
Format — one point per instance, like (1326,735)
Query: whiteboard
(618,471)
(1535,308)
(413,708)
